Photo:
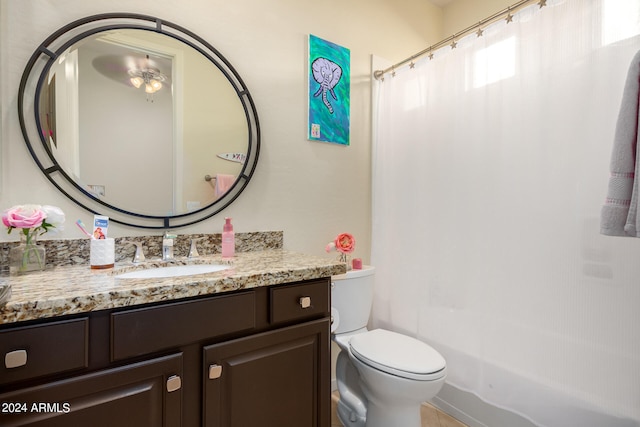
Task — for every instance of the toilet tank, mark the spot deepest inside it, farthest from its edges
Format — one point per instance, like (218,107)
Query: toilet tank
(351,299)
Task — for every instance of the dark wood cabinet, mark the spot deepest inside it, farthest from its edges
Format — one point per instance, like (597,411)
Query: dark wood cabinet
(141,394)
(269,379)
(44,349)
(258,357)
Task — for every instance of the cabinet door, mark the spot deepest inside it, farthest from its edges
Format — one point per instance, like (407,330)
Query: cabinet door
(279,378)
(136,395)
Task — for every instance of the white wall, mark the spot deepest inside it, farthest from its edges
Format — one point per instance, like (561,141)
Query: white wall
(111,156)
(462,14)
(310,190)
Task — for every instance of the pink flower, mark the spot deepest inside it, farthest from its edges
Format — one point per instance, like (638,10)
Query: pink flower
(33,219)
(26,216)
(344,243)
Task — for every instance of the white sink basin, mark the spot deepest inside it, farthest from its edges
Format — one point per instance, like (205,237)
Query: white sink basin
(173,271)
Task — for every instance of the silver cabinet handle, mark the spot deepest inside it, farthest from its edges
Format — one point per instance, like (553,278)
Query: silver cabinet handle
(215,371)
(15,359)
(174,383)
(305,302)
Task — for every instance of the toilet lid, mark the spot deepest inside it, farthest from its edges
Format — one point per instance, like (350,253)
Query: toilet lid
(398,355)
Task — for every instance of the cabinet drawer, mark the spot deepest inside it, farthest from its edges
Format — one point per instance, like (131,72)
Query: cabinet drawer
(299,302)
(38,350)
(147,330)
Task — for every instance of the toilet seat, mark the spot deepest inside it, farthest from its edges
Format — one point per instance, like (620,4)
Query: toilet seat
(398,355)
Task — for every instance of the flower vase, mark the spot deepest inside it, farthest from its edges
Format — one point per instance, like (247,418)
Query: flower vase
(345,259)
(27,256)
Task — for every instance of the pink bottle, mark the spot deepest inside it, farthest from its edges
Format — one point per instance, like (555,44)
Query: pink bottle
(228,239)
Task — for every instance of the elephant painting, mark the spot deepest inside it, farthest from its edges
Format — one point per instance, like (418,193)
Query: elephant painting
(327,73)
(329,91)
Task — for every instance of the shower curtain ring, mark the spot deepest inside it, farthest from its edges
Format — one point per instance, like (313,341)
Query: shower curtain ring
(509,17)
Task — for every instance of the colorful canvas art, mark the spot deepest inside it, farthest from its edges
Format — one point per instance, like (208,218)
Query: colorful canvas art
(329,91)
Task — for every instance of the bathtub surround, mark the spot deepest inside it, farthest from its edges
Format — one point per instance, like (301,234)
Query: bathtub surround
(620,215)
(489,162)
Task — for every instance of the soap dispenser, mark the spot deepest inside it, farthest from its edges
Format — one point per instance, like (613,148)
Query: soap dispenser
(228,239)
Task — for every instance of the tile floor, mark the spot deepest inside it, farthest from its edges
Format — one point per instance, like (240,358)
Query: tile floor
(431,417)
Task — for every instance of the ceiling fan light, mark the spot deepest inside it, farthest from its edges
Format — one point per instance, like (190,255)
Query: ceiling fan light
(136,81)
(155,84)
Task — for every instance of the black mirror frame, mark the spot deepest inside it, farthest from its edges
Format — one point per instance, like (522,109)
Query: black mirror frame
(31,85)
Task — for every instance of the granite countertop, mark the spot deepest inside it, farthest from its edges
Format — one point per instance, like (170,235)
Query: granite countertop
(76,289)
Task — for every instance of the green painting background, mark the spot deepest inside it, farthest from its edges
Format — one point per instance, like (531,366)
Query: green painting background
(333,127)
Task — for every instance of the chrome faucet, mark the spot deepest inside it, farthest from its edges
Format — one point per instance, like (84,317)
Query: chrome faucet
(167,246)
(139,255)
(193,249)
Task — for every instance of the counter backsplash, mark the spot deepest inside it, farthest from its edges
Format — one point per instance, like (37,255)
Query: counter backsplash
(76,251)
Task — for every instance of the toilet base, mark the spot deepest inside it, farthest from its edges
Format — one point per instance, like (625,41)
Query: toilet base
(379,417)
(347,417)
(384,416)
(395,405)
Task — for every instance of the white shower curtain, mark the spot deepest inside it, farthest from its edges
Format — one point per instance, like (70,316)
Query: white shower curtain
(490,168)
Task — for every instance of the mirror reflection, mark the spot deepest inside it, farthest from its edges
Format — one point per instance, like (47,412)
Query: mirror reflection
(143,122)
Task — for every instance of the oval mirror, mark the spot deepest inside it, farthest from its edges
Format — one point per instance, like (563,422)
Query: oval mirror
(139,119)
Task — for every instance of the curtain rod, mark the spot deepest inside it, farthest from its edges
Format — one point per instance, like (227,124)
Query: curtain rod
(378,74)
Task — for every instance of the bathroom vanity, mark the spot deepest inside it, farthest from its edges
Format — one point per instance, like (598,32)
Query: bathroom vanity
(246,346)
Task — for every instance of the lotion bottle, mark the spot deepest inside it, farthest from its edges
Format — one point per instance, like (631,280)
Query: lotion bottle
(228,239)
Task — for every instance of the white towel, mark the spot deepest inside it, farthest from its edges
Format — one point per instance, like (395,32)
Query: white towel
(620,213)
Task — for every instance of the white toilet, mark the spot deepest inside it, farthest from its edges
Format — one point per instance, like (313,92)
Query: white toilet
(383,376)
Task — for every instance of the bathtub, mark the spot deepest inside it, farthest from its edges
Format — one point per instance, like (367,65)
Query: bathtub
(475,412)
(501,388)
